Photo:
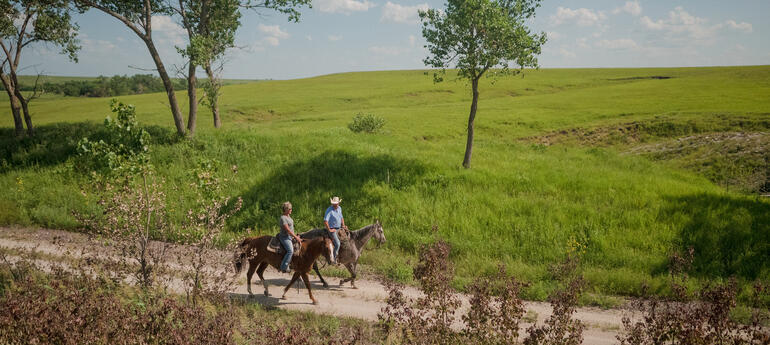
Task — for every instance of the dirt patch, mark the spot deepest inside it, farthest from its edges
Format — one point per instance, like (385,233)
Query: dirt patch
(731,151)
(735,160)
(664,127)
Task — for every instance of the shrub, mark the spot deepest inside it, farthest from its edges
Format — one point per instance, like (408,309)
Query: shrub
(73,308)
(561,328)
(368,123)
(702,317)
(495,312)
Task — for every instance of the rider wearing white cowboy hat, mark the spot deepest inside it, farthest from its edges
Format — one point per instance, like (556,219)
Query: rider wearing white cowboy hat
(333,221)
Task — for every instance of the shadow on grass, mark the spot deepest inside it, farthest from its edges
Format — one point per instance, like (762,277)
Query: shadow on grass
(53,144)
(310,182)
(730,235)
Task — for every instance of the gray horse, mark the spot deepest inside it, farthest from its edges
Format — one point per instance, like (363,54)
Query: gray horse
(350,250)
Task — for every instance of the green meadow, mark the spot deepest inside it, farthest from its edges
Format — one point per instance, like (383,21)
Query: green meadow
(526,202)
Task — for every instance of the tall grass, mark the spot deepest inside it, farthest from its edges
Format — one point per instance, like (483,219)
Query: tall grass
(522,204)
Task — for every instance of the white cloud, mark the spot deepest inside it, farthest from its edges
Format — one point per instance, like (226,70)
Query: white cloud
(273,30)
(619,44)
(335,38)
(582,42)
(742,26)
(631,7)
(681,26)
(582,16)
(170,31)
(309,38)
(412,40)
(273,41)
(273,34)
(566,53)
(343,6)
(553,35)
(401,14)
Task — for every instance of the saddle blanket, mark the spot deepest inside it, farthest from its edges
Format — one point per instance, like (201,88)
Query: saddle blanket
(276,247)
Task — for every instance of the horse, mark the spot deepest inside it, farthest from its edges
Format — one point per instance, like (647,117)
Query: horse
(350,250)
(254,249)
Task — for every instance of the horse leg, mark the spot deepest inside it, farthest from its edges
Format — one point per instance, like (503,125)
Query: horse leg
(352,269)
(315,268)
(260,270)
(293,279)
(306,279)
(353,272)
(249,274)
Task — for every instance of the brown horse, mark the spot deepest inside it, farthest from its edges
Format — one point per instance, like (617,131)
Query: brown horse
(254,249)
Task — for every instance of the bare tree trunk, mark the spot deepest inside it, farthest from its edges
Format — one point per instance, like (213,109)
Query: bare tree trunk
(15,105)
(178,121)
(18,124)
(192,97)
(471,118)
(214,99)
(25,108)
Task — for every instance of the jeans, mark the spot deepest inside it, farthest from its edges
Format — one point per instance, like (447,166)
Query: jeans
(289,247)
(336,241)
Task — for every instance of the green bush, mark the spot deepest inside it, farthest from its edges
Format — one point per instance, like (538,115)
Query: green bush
(368,123)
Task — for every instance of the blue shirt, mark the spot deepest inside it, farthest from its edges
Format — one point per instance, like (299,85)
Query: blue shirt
(333,217)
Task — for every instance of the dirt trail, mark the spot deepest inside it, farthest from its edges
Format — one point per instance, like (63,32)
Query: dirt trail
(364,302)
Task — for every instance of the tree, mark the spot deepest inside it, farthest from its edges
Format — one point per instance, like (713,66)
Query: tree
(137,16)
(211,27)
(480,36)
(24,22)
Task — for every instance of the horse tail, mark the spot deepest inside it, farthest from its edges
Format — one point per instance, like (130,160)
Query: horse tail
(240,256)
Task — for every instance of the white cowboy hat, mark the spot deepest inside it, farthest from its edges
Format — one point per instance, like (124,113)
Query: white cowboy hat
(335,200)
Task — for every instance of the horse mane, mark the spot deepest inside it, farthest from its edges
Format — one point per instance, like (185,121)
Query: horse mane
(355,234)
(317,232)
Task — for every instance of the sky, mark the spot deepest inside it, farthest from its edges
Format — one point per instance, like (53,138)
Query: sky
(364,35)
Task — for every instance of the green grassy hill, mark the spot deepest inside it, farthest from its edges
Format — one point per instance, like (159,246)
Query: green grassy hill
(524,203)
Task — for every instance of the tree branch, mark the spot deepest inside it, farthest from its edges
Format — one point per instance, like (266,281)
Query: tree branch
(148,17)
(118,16)
(7,54)
(20,41)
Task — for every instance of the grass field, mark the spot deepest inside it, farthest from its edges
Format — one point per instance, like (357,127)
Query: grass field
(623,206)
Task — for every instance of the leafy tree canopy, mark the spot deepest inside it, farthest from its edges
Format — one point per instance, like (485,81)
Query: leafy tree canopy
(24,22)
(479,35)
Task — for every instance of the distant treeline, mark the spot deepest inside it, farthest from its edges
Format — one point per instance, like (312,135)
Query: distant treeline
(102,86)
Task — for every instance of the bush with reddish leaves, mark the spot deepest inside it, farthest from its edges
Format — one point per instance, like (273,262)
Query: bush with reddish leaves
(702,317)
(495,310)
(73,308)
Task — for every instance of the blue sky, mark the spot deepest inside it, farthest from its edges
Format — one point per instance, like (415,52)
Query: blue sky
(362,35)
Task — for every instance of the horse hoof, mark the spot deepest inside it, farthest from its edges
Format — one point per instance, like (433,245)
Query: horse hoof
(315,302)
(283,297)
(354,287)
(326,285)
(267,294)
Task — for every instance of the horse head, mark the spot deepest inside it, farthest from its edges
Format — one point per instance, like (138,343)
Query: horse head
(328,251)
(379,233)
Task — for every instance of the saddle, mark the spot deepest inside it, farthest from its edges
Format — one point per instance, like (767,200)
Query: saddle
(275,246)
(343,234)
